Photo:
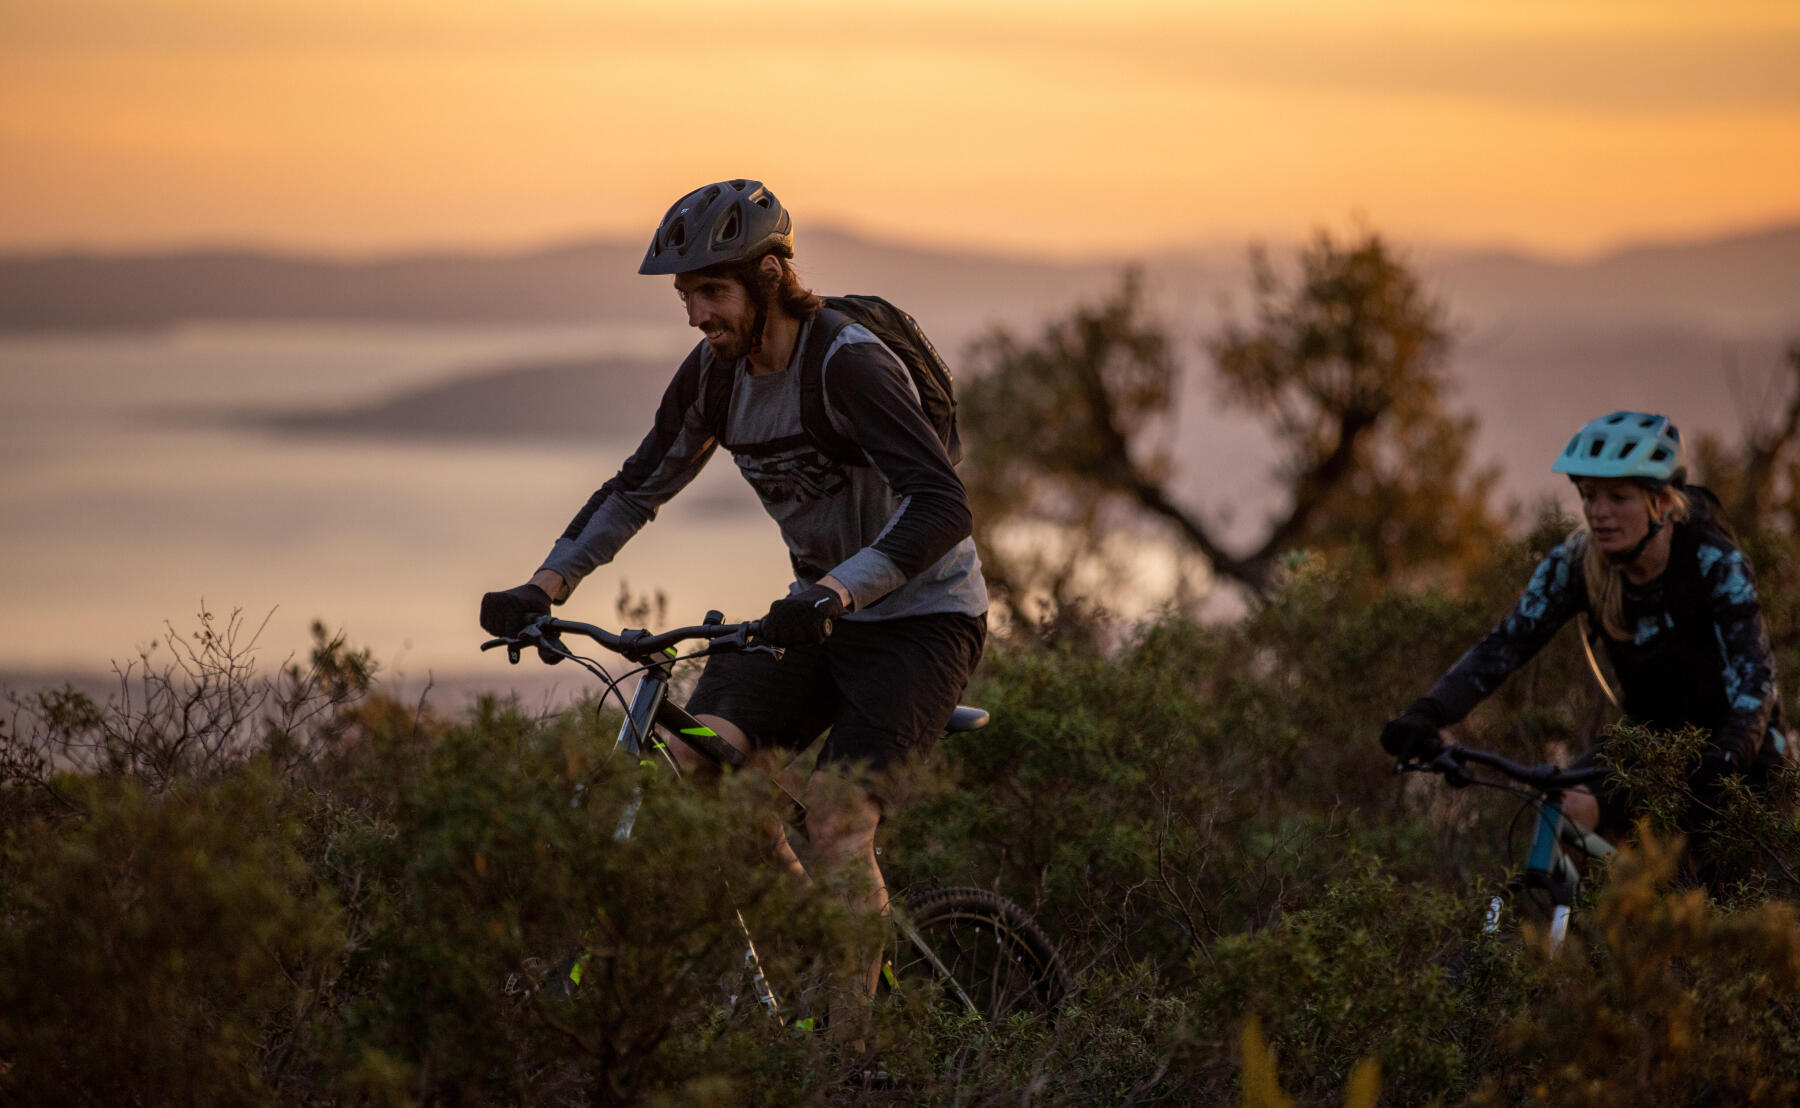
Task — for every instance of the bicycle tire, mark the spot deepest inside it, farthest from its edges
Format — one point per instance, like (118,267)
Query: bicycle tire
(996,953)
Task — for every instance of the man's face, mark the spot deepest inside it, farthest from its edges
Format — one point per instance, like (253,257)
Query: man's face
(721,308)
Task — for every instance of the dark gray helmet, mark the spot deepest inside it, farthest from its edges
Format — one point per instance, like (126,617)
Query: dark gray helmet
(732,221)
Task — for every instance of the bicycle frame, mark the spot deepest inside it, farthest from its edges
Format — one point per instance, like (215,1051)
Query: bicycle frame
(650,708)
(1549,867)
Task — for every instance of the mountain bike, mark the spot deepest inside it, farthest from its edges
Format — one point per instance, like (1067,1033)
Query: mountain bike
(988,956)
(1551,877)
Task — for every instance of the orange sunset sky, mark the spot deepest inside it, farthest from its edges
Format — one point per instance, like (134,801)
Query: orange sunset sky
(1044,127)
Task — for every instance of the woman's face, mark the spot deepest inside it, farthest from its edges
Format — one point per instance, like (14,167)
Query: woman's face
(1617,512)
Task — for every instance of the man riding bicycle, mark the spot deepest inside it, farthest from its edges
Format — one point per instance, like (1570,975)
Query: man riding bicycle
(1669,597)
(886,617)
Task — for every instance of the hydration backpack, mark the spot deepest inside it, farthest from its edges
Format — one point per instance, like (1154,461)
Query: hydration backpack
(900,333)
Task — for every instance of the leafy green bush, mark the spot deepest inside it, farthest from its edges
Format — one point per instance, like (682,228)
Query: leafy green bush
(152,950)
(332,897)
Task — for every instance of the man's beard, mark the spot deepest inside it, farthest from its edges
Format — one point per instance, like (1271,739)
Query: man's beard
(730,345)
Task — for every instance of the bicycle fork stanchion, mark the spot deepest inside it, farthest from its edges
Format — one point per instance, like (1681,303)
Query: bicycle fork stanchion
(759,981)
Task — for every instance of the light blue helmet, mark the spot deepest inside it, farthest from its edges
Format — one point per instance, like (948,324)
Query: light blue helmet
(1636,445)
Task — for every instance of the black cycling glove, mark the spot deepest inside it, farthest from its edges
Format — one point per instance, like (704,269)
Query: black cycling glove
(803,619)
(506,613)
(1413,734)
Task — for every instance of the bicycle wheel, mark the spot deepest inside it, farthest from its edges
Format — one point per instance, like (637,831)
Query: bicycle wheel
(983,950)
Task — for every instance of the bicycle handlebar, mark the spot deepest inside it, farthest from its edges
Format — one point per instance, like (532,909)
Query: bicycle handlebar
(1452,764)
(636,644)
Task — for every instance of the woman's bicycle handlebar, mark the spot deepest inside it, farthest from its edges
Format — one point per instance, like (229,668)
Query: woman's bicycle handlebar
(1452,764)
(638,645)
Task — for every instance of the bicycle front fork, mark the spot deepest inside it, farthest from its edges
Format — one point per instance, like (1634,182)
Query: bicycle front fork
(1547,867)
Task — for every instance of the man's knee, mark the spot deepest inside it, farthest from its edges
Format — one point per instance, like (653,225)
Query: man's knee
(841,816)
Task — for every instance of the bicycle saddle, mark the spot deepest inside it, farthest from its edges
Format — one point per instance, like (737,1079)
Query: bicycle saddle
(966,718)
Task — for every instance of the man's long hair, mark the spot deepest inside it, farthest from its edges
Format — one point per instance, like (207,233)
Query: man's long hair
(785,292)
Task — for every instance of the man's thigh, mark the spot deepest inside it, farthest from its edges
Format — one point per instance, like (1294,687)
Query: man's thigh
(897,683)
(779,703)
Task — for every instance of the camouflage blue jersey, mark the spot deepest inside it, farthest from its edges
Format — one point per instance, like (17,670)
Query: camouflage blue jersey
(1698,654)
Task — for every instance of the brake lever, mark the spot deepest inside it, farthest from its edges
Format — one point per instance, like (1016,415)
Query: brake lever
(511,645)
(737,642)
(1455,774)
(742,643)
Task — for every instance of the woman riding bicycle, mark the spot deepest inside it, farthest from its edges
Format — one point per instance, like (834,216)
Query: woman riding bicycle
(1668,594)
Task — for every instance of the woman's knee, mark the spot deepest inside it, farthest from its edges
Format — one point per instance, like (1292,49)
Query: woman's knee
(1582,806)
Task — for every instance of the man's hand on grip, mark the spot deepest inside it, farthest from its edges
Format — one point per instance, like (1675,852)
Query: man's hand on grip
(804,619)
(506,613)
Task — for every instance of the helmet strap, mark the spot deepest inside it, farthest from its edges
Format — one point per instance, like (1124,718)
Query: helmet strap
(756,330)
(750,276)
(1626,557)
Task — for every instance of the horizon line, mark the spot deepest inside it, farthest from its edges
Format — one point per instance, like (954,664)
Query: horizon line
(528,247)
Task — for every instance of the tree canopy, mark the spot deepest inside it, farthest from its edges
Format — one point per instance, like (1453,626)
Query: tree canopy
(1343,364)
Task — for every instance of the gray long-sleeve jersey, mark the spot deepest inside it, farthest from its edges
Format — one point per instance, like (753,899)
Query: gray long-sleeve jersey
(894,532)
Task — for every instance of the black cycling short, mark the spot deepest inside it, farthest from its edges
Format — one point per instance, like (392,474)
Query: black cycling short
(885,688)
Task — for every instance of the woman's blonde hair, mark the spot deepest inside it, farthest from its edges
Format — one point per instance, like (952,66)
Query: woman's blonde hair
(1606,581)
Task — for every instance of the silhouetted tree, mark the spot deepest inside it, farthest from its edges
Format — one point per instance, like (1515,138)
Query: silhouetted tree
(1345,367)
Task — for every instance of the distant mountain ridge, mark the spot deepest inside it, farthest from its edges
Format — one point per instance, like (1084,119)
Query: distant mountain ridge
(1748,281)
(569,399)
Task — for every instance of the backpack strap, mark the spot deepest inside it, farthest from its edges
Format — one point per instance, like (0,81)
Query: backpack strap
(827,323)
(715,392)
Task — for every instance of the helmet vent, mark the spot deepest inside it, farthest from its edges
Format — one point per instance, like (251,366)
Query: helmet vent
(730,228)
(1595,447)
(1659,455)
